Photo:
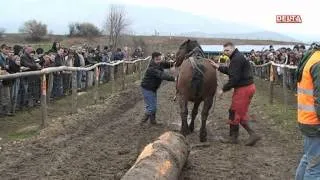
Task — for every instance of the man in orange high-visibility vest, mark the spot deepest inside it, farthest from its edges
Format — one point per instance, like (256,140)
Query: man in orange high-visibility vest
(308,78)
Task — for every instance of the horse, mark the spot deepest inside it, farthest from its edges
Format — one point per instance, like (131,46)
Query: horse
(196,82)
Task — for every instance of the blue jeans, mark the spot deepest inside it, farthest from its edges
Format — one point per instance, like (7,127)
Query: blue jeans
(150,100)
(309,167)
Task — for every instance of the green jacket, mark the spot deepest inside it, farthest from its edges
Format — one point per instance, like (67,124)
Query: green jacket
(315,73)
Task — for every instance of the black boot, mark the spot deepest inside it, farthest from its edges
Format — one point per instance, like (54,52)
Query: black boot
(254,138)
(153,119)
(145,118)
(6,111)
(233,136)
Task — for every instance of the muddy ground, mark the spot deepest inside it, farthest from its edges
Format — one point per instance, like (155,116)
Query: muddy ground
(102,142)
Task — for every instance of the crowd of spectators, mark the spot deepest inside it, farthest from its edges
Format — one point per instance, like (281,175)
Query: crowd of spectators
(282,55)
(24,92)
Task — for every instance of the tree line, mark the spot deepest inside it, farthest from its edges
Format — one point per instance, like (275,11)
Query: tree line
(115,25)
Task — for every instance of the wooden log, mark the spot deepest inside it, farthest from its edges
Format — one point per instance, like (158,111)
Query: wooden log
(162,160)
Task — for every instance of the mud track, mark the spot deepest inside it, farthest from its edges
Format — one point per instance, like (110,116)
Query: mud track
(103,141)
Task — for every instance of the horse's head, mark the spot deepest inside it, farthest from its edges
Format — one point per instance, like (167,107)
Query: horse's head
(185,50)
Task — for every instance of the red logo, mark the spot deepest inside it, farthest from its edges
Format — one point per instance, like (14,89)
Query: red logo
(288,19)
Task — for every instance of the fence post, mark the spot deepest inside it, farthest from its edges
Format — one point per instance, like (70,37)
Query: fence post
(271,84)
(96,82)
(140,70)
(285,91)
(44,101)
(50,86)
(74,91)
(123,76)
(112,79)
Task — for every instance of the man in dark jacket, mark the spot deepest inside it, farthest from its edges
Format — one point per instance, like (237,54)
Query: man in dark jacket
(241,80)
(57,76)
(27,59)
(119,55)
(30,83)
(150,84)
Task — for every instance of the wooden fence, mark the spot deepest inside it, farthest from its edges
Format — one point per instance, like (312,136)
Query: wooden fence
(118,72)
(277,75)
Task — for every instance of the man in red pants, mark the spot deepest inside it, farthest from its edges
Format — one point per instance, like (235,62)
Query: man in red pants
(241,80)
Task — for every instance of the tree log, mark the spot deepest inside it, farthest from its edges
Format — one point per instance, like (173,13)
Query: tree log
(161,160)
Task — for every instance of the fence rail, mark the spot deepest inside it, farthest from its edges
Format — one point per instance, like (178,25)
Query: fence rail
(50,80)
(278,75)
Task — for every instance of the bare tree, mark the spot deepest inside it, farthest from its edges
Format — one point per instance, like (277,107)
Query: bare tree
(116,24)
(83,30)
(35,30)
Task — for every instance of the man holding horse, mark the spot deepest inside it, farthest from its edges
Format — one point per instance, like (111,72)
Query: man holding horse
(241,80)
(150,84)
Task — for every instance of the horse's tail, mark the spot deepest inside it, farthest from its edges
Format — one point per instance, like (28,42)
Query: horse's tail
(197,77)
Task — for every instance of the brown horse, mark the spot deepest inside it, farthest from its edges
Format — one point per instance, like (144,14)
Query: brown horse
(196,82)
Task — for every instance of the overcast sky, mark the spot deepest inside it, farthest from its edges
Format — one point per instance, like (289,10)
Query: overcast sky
(261,13)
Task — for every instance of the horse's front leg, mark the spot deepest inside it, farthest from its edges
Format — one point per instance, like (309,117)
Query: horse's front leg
(184,115)
(194,115)
(204,115)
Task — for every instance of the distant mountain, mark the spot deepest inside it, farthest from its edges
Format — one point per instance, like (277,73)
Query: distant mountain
(260,35)
(176,23)
(148,20)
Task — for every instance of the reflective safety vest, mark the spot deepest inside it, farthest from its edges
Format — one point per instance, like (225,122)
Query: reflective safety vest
(306,110)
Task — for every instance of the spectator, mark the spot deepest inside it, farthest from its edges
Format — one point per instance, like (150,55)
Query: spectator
(69,59)
(31,92)
(5,84)
(3,53)
(119,55)
(14,67)
(137,53)
(106,59)
(79,62)
(55,47)
(126,53)
(57,77)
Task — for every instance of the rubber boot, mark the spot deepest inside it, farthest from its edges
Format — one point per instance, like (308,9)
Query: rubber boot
(6,111)
(145,118)
(153,119)
(254,138)
(233,136)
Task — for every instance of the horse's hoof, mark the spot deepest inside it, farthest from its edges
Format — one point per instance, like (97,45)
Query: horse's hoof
(203,135)
(203,139)
(185,132)
(191,128)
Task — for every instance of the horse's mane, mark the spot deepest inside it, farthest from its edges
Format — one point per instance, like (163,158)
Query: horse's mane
(194,50)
